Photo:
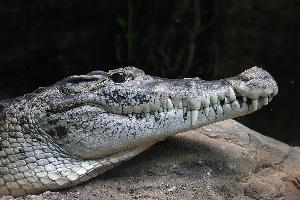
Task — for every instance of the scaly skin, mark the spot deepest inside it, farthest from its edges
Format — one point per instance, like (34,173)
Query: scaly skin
(84,125)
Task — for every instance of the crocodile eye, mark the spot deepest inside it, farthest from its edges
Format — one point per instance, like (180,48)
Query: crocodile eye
(118,77)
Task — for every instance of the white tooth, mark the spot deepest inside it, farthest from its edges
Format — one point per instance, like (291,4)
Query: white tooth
(265,101)
(180,105)
(215,106)
(194,116)
(270,98)
(244,106)
(205,102)
(194,104)
(227,92)
(176,102)
(184,110)
(157,104)
(219,110)
(163,103)
(254,94)
(161,109)
(230,94)
(169,104)
(214,99)
(266,92)
(130,115)
(221,96)
(189,115)
(211,112)
(147,115)
(244,99)
(225,100)
(254,104)
(206,111)
(227,107)
(156,113)
(236,105)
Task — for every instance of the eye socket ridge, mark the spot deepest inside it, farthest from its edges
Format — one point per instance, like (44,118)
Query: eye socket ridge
(119,77)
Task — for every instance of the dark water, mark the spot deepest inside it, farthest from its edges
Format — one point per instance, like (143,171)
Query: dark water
(44,41)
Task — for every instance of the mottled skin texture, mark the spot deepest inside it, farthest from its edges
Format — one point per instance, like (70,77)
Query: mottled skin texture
(84,125)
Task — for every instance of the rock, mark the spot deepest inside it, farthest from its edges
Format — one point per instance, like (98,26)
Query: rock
(225,160)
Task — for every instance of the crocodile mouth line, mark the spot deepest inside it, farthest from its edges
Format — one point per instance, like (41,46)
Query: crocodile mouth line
(227,102)
(219,109)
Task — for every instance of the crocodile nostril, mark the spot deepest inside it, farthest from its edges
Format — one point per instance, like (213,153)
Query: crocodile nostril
(245,78)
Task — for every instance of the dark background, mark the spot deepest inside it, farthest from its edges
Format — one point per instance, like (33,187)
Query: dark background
(42,42)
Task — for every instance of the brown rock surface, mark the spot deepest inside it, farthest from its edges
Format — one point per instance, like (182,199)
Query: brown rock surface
(225,160)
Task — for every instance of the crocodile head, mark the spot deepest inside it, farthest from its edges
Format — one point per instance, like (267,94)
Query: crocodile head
(94,115)
(82,126)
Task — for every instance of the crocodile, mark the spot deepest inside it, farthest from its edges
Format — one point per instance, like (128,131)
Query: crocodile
(59,136)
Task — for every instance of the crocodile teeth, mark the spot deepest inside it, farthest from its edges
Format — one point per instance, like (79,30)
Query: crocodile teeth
(205,102)
(230,94)
(226,107)
(219,110)
(169,104)
(270,98)
(215,106)
(221,96)
(206,111)
(161,109)
(163,103)
(265,101)
(156,113)
(244,105)
(244,99)
(225,100)
(194,116)
(236,105)
(214,99)
(254,104)
(184,110)
(129,115)
(194,104)
(177,103)
(180,105)
(154,106)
